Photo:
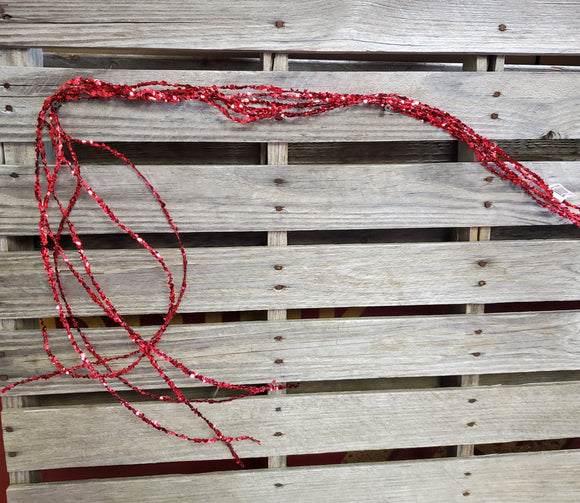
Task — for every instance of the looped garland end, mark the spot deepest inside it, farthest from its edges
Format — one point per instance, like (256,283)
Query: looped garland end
(242,104)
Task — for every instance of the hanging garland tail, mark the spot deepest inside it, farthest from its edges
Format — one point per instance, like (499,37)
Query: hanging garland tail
(242,104)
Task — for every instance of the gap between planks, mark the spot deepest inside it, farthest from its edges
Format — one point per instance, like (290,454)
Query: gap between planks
(276,155)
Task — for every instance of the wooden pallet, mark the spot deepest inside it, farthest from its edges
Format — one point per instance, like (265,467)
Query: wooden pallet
(477,337)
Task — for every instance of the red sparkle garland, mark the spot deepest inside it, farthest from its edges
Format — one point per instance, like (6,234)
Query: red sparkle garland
(241,104)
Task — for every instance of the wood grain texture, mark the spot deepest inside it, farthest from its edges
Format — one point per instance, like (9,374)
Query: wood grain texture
(361,26)
(276,155)
(526,108)
(320,349)
(313,276)
(23,153)
(313,197)
(546,477)
(52,437)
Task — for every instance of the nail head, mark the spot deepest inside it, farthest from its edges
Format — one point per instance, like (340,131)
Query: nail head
(9,108)
(278,409)
(487,204)
(482,263)
(9,429)
(481,283)
(494,115)
(12,454)
(476,354)
(278,338)
(466,493)
(278,267)
(278,484)
(279,208)
(497,94)
(278,361)
(489,179)
(472,400)
(278,434)
(279,24)
(6,85)
(502,27)
(279,287)
(471,424)
(467,474)
(14,175)
(278,181)
(2,354)
(478,331)
(3,377)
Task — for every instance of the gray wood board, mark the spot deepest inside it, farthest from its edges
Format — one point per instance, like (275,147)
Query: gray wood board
(313,197)
(534,477)
(312,26)
(52,437)
(244,278)
(318,349)
(526,108)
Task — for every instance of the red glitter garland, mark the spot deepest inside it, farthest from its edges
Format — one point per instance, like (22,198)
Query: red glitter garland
(242,104)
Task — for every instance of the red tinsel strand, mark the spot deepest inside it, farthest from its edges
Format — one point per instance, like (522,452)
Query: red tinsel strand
(242,104)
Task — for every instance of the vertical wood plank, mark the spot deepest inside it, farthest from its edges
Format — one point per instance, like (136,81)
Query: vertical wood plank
(277,155)
(16,153)
(464,153)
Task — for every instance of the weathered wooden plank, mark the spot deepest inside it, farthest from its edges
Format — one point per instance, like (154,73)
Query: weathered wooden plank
(312,276)
(22,153)
(313,197)
(50,437)
(525,107)
(535,477)
(362,26)
(321,349)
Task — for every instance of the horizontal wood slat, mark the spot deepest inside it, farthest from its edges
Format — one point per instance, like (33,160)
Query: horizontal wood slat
(320,349)
(534,477)
(313,197)
(362,26)
(525,107)
(51,437)
(311,276)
